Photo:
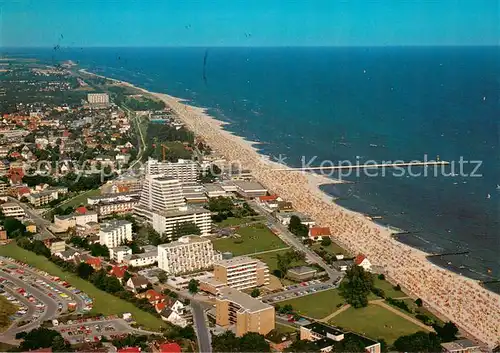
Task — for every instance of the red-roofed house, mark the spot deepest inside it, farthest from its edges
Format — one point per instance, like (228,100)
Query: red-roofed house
(95,262)
(129,350)
(160,306)
(118,272)
(154,297)
(22,191)
(169,348)
(81,210)
(362,261)
(268,198)
(317,233)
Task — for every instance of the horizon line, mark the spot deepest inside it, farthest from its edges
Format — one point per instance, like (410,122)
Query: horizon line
(255,46)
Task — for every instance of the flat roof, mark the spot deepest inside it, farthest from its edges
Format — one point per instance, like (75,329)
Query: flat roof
(191,210)
(459,345)
(187,239)
(213,187)
(300,270)
(323,329)
(249,185)
(244,300)
(236,261)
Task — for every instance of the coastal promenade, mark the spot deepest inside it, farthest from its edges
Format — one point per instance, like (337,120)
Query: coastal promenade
(474,309)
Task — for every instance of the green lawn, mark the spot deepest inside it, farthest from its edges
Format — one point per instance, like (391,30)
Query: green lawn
(271,259)
(285,328)
(104,303)
(332,248)
(252,239)
(317,305)
(6,309)
(375,322)
(233,221)
(81,199)
(387,288)
(416,310)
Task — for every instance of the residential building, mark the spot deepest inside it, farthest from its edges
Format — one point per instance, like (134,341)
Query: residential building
(98,99)
(173,312)
(188,253)
(318,233)
(118,253)
(161,193)
(55,245)
(182,282)
(115,233)
(41,198)
(184,170)
(284,218)
(241,272)
(11,209)
(460,346)
(3,234)
(113,197)
(246,313)
(67,255)
(194,193)
(362,261)
(117,207)
(328,338)
(137,283)
(3,187)
(148,257)
(250,189)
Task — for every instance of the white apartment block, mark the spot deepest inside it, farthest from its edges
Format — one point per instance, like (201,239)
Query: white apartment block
(98,98)
(105,209)
(41,198)
(189,253)
(117,254)
(165,223)
(85,218)
(148,257)
(114,233)
(185,170)
(11,209)
(242,272)
(161,193)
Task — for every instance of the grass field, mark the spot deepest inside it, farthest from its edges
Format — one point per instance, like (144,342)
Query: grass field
(233,221)
(104,303)
(332,248)
(375,322)
(416,310)
(271,259)
(81,199)
(387,288)
(6,309)
(252,239)
(317,305)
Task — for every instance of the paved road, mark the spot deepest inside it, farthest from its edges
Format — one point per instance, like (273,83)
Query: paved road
(50,308)
(296,243)
(201,328)
(276,297)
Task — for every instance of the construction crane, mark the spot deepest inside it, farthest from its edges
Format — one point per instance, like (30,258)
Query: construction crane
(163,150)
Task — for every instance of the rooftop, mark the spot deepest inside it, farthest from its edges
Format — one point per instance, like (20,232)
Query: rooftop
(459,345)
(112,225)
(187,239)
(236,261)
(300,270)
(244,300)
(249,185)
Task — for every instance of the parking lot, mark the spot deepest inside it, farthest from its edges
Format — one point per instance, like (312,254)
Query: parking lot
(38,295)
(93,329)
(297,290)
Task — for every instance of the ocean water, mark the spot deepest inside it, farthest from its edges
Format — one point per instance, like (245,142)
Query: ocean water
(353,104)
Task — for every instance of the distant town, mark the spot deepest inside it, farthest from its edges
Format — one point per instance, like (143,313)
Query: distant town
(122,231)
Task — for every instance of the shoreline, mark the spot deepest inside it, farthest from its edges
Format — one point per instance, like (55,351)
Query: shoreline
(473,308)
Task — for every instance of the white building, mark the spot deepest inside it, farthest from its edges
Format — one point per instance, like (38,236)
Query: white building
(10,209)
(185,170)
(98,98)
(242,272)
(164,223)
(114,233)
(161,193)
(148,257)
(82,219)
(118,253)
(189,253)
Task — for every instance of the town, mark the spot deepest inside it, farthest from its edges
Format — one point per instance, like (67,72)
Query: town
(122,231)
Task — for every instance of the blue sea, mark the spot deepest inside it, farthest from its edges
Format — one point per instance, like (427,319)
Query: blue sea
(356,104)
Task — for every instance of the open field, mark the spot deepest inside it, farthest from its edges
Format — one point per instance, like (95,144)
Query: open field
(387,288)
(104,303)
(375,322)
(331,249)
(317,305)
(81,199)
(6,309)
(234,221)
(251,239)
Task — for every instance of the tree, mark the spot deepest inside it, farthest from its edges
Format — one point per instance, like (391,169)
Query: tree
(326,241)
(84,270)
(162,277)
(296,227)
(220,204)
(253,342)
(14,227)
(448,332)
(60,345)
(226,342)
(381,277)
(302,346)
(255,292)
(193,286)
(418,342)
(42,338)
(419,302)
(154,237)
(351,344)
(357,287)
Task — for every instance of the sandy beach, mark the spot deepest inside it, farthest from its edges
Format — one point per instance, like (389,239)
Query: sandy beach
(473,308)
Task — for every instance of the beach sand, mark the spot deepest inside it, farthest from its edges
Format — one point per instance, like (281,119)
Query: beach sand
(473,308)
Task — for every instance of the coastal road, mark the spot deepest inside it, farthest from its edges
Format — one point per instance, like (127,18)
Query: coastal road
(293,241)
(200,325)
